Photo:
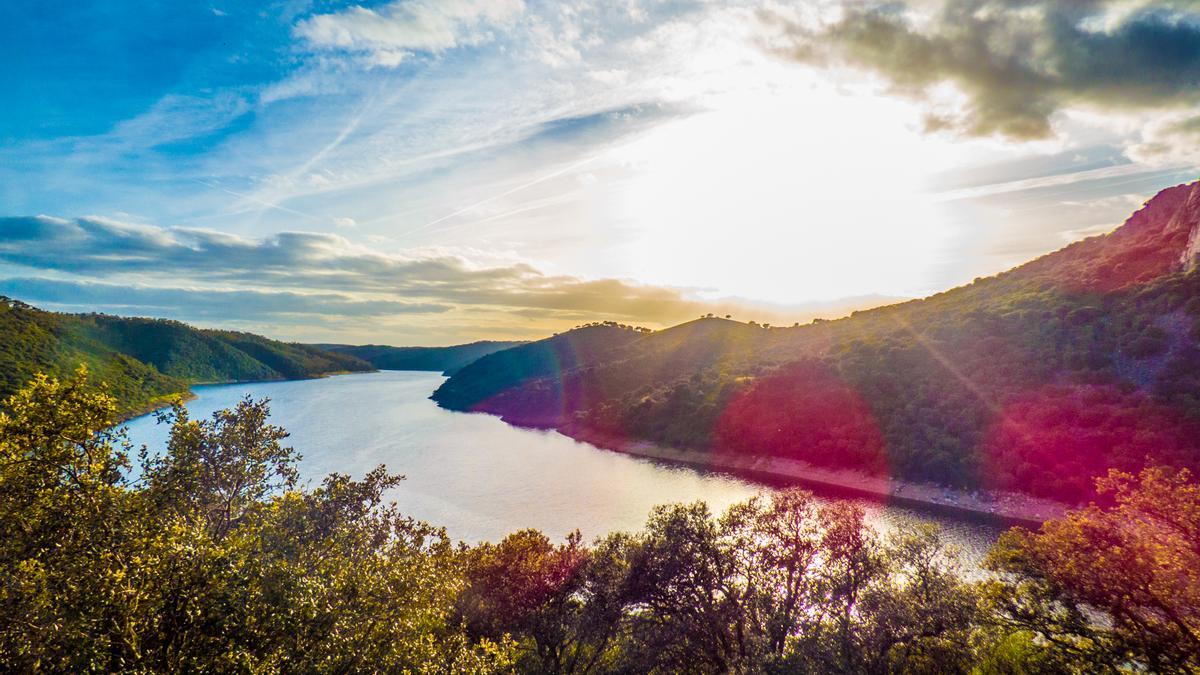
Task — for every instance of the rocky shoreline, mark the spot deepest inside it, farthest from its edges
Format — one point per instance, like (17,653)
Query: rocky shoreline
(1006,508)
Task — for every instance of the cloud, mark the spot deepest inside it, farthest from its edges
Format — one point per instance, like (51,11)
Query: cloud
(175,118)
(1169,140)
(203,304)
(387,35)
(1016,61)
(298,273)
(1188,127)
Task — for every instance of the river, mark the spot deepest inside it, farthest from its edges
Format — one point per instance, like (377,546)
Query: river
(481,478)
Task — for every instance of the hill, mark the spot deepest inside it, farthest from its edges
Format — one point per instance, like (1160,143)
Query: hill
(1034,380)
(447,360)
(146,360)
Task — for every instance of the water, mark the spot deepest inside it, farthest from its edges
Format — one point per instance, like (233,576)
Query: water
(481,478)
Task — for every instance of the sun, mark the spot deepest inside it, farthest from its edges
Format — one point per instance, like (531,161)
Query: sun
(786,194)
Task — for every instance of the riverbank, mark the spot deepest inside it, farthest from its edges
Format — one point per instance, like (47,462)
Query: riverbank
(158,403)
(1006,508)
(167,400)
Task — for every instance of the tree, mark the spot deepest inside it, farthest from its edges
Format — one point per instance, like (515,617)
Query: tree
(69,532)
(213,560)
(528,586)
(220,469)
(882,605)
(684,602)
(1134,558)
(775,543)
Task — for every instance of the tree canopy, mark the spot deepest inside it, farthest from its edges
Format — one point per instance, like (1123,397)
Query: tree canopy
(214,558)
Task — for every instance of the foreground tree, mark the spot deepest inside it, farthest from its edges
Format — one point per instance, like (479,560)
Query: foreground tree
(686,605)
(70,535)
(211,561)
(892,604)
(557,599)
(775,544)
(1114,584)
(219,470)
(781,584)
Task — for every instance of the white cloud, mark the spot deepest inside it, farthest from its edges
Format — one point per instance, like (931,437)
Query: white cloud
(385,36)
(612,78)
(1169,139)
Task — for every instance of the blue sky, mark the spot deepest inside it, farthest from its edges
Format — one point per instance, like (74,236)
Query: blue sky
(429,172)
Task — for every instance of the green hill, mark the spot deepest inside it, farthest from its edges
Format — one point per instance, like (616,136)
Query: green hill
(447,360)
(1035,380)
(146,360)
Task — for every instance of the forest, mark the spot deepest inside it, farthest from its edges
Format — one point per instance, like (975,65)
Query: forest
(215,559)
(147,362)
(1037,380)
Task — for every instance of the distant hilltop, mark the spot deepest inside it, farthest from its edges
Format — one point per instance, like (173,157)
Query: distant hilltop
(447,360)
(146,362)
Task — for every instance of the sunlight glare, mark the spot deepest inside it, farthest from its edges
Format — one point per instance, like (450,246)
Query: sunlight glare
(780,194)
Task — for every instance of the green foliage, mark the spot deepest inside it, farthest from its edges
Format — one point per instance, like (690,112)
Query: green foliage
(219,470)
(146,362)
(213,561)
(34,341)
(776,584)
(528,586)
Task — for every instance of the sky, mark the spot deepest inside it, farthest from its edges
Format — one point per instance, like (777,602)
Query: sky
(440,171)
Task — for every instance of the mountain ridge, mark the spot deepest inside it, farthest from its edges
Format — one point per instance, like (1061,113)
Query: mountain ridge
(446,360)
(1102,333)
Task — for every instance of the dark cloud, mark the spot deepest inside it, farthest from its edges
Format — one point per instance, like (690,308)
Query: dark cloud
(26,229)
(1188,127)
(92,244)
(1018,61)
(204,304)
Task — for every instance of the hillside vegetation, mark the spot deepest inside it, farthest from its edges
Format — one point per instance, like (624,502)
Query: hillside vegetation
(145,360)
(1038,379)
(446,360)
(217,559)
